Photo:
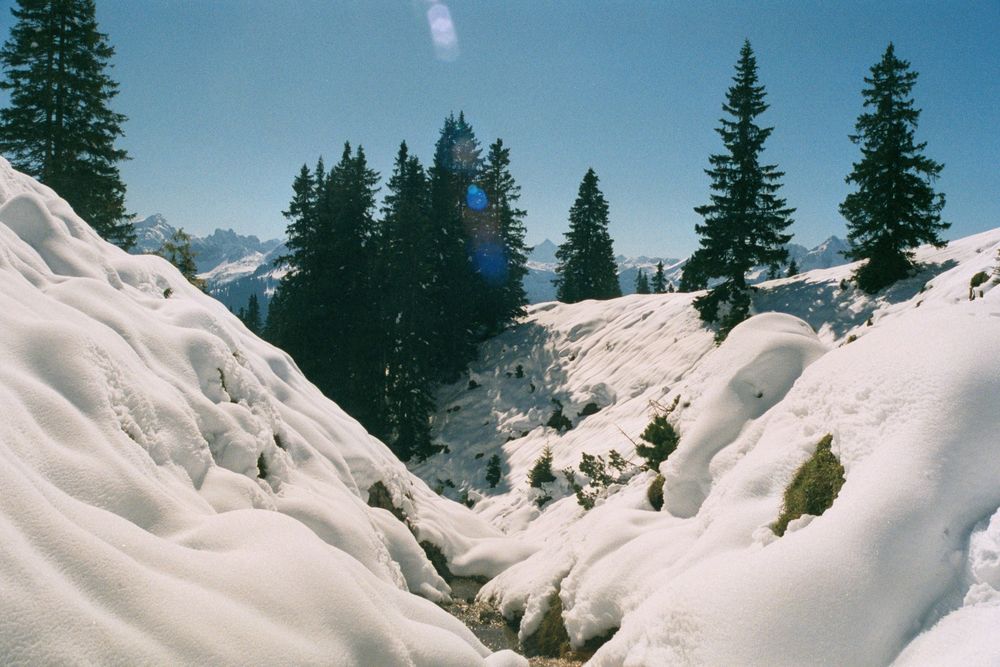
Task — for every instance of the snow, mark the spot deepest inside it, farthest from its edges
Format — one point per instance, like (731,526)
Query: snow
(903,566)
(136,524)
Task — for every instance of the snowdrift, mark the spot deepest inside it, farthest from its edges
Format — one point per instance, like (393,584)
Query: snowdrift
(174,490)
(905,564)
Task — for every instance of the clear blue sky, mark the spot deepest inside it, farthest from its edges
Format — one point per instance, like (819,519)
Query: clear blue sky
(227,98)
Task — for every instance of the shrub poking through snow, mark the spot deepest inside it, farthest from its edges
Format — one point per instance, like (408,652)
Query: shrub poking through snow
(519,371)
(493,471)
(550,639)
(654,494)
(662,439)
(541,471)
(600,477)
(978,279)
(558,420)
(589,409)
(262,466)
(813,488)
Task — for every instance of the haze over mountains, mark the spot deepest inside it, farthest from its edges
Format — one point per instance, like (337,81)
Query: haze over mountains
(235,266)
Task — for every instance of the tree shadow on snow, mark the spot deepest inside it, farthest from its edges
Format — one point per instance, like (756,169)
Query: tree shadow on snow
(824,305)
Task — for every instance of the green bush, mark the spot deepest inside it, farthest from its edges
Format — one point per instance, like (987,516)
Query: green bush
(662,439)
(589,409)
(978,279)
(541,471)
(493,471)
(558,420)
(654,494)
(550,639)
(262,466)
(813,488)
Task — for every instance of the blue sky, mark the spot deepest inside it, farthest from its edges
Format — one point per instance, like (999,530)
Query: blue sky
(227,98)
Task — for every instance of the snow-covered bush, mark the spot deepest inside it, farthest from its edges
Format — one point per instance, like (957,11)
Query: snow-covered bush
(813,488)
(493,471)
(558,420)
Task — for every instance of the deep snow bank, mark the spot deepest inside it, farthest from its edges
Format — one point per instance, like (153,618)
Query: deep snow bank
(907,383)
(175,491)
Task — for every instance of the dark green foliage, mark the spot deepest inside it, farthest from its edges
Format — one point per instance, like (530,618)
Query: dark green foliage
(793,269)
(500,256)
(167,293)
(978,279)
(493,471)
(558,420)
(894,208)
(745,222)
(587,268)
(584,498)
(325,312)
(659,283)
(654,494)
(59,126)
(251,316)
(589,409)
(177,250)
(262,466)
(596,469)
(541,471)
(519,371)
(641,283)
(813,488)
(662,439)
(472,385)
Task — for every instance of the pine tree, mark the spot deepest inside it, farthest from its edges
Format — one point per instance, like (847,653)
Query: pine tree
(251,316)
(744,223)
(59,126)
(499,252)
(894,208)
(409,308)
(659,280)
(793,269)
(641,283)
(586,268)
(177,250)
(456,290)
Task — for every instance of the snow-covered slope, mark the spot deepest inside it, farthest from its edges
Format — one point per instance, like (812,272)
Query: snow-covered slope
(175,491)
(904,565)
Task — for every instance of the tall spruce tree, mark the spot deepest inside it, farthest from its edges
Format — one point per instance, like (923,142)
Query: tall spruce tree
(659,280)
(457,291)
(251,315)
(410,315)
(500,254)
(894,208)
(59,126)
(323,314)
(745,222)
(641,283)
(586,268)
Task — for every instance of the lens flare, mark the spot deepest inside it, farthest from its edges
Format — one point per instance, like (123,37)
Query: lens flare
(442,32)
(475,198)
(490,261)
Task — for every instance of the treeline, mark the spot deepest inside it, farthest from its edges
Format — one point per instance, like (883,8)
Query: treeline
(380,305)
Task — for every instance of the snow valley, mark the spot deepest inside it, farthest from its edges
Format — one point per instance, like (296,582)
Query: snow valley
(176,491)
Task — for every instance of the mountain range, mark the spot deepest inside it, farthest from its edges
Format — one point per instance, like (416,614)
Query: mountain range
(234,265)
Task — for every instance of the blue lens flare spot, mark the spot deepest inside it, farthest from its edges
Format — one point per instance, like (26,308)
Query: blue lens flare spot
(475,198)
(491,263)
